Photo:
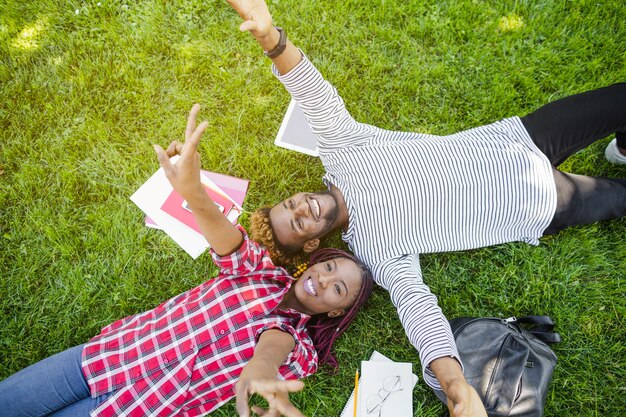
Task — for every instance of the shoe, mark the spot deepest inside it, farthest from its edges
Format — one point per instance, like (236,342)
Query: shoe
(613,155)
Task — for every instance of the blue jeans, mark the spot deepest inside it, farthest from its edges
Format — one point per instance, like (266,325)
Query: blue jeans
(54,386)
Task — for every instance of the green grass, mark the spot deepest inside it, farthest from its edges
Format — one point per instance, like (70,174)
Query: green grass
(88,86)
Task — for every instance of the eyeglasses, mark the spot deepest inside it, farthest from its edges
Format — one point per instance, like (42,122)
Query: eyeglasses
(375,402)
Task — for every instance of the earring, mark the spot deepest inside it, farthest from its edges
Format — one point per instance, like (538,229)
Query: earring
(300,270)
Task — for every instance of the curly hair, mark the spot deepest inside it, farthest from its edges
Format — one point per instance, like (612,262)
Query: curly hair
(261,231)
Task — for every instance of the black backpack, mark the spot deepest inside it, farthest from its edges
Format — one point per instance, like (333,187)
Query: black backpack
(509,366)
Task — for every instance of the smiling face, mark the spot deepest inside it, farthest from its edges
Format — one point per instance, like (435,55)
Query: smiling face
(304,217)
(327,287)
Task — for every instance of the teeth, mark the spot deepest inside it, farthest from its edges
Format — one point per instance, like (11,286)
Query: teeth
(316,206)
(309,284)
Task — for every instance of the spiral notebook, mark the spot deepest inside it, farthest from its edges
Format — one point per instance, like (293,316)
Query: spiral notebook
(348,409)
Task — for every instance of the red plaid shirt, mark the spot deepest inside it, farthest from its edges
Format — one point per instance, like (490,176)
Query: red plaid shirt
(183,357)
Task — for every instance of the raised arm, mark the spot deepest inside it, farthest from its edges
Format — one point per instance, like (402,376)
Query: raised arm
(258,21)
(184,176)
(323,107)
(259,376)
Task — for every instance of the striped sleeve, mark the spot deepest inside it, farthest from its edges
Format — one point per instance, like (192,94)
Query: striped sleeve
(422,319)
(324,108)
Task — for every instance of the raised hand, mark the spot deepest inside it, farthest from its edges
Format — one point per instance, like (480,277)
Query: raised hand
(185,174)
(256,16)
(259,376)
(274,391)
(258,21)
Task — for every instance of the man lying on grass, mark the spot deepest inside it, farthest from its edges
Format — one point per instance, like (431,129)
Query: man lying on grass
(395,195)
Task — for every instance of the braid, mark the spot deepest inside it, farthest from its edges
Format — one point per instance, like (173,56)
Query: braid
(326,330)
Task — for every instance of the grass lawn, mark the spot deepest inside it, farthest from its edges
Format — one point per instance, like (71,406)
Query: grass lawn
(87,86)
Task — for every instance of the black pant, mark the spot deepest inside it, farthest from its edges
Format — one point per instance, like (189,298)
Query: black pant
(566,126)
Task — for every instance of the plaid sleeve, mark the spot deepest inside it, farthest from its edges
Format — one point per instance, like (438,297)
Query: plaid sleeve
(302,361)
(244,260)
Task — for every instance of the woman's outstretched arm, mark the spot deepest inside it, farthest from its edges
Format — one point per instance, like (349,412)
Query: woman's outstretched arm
(184,176)
(259,376)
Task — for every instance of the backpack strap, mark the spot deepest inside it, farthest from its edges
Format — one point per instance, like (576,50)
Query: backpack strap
(546,337)
(544,321)
(541,327)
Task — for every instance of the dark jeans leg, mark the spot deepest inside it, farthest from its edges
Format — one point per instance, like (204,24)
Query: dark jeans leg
(586,200)
(46,387)
(621,139)
(568,125)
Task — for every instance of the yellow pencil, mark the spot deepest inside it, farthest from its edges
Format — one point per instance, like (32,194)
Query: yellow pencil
(356,391)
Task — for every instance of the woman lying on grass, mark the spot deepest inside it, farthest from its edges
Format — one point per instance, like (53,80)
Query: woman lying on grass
(238,334)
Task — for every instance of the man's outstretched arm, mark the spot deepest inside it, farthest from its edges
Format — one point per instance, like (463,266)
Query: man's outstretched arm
(324,109)
(258,21)
(428,330)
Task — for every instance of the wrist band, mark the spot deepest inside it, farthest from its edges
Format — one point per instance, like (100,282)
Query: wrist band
(280,47)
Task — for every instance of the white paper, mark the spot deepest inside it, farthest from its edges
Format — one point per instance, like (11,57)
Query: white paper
(348,410)
(388,384)
(151,196)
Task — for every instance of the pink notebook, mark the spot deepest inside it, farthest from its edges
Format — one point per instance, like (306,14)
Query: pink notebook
(230,189)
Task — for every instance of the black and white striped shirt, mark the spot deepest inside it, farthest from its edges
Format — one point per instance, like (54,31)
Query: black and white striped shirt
(410,193)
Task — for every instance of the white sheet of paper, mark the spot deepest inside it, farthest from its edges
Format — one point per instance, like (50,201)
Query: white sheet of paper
(396,400)
(151,196)
(348,410)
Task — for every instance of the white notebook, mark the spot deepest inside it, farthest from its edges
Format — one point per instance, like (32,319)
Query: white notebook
(365,386)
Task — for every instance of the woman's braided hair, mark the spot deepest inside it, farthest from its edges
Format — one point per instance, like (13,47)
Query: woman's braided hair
(325,330)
